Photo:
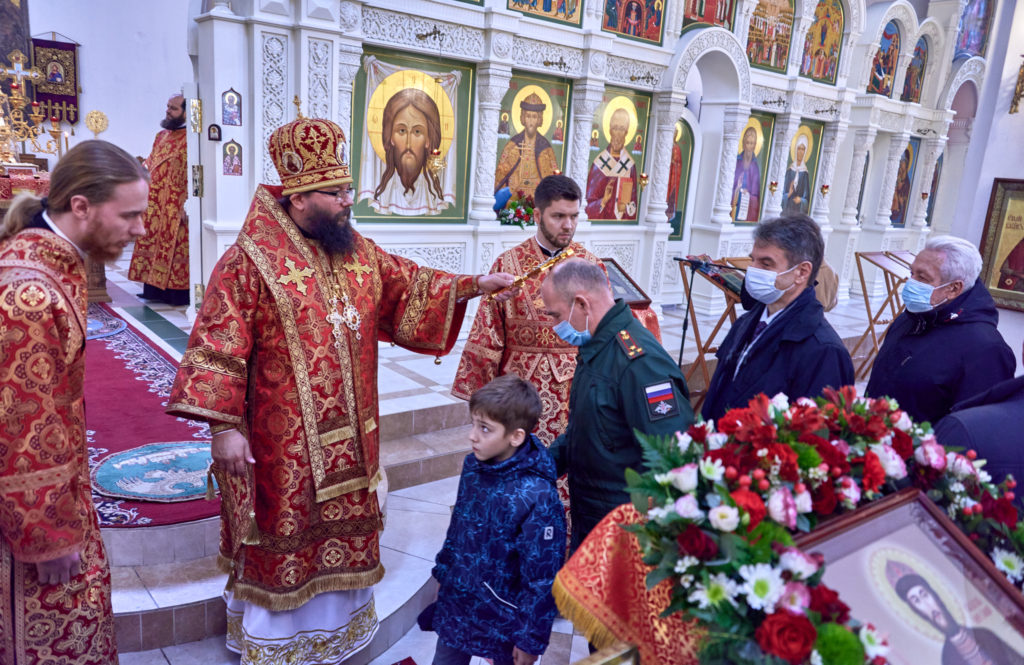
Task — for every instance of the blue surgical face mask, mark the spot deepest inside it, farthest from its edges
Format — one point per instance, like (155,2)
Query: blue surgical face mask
(917,296)
(760,284)
(565,330)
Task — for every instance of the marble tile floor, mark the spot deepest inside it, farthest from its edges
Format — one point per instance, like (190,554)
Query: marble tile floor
(417,520)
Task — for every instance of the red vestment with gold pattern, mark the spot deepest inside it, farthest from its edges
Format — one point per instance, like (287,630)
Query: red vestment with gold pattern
(160,257)
(285,347)
(515,337)
(46,508)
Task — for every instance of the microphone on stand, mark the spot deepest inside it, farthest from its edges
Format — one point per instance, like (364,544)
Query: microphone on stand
(693,263)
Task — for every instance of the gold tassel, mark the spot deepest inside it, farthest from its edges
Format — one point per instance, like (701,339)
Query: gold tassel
(280,602)
(211,494)
(253,536)
(585,622)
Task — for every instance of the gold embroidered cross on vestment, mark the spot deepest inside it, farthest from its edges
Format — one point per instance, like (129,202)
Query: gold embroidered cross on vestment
(358,268)
(295,276)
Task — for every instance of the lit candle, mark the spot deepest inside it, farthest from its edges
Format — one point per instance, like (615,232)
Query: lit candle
(65,140)
(35,105)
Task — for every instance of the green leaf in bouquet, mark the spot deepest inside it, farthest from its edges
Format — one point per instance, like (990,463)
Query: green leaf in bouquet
(657,447)
(806,456)
(657,576)
(803,523)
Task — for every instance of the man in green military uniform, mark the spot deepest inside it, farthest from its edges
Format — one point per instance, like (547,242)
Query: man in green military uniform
(624,381)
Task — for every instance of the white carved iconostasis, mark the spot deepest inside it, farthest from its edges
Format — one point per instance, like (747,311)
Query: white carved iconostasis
(684,122)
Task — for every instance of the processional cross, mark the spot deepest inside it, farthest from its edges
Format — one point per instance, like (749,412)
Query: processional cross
(17,72)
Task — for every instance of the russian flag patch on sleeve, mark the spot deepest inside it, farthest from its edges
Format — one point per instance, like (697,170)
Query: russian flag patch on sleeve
(661,400)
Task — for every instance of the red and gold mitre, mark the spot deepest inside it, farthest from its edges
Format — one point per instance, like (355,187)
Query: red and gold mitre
(310,153)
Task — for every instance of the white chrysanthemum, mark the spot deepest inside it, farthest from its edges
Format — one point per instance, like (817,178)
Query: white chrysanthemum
(874,645)
(957,487)
(724,518)
(816,658)
(720,589)
(984,476)
(685,563)
(712,469)
(781,402)
(1009,562)
(762,585)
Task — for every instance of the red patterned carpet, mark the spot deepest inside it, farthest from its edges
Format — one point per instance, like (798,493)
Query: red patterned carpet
(127,381)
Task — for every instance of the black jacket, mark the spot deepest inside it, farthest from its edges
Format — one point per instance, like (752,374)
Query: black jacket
(624,380)
(931,361)
(799,354)
(992,423)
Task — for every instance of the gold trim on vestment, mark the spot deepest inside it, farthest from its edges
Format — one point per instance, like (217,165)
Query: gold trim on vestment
(27,482)
(280,602)
(8,613)
(336,435)
(215,361)
(369,425)
(307,647)
(286,313)
(206,414)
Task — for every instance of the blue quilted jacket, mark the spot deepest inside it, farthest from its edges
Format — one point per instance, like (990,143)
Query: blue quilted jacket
(505,543)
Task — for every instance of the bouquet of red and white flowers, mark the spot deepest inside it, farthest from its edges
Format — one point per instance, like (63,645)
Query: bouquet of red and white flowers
(723,499)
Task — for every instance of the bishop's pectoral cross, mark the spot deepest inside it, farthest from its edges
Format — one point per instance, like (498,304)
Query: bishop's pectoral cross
(349,316)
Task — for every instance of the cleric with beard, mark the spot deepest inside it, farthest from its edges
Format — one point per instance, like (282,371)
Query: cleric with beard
(160,258)
(282,363)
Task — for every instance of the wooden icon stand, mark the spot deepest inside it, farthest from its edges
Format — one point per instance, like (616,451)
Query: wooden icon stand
(895,269)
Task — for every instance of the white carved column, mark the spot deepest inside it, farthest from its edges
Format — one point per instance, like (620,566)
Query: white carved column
(862,143)
(586,97)
(743,16)
(832,138)
(801,25)
(933,147)
(897,144)
(903,62)
(668,108)
(734,118)
(953,170)
(317,61)
(349,60)
(785,129)
(672,20)
(491,86)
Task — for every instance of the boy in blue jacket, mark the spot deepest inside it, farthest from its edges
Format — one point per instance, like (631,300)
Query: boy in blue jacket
(506,539)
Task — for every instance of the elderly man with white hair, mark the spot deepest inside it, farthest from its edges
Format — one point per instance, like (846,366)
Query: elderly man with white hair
(945,347)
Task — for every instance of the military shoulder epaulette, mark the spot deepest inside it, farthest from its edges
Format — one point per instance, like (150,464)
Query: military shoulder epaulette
(632,349)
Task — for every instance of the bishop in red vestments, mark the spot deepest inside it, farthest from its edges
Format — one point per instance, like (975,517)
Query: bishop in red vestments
(54,576)
(283,363)
(160,259)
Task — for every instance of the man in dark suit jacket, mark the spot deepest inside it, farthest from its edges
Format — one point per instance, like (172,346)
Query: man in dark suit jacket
(784,343)
(990,423)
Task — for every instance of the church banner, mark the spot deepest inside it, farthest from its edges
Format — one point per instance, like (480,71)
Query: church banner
(618,144)
(57,93)
(531,132)
(411,142)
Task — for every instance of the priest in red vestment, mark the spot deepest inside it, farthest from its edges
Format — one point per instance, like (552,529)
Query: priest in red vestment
(515,336)
(160,259)
(282,362)
(54,576)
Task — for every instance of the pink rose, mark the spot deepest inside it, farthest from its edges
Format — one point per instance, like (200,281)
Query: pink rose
(893,464)
(799,563)
(782,507)
(931,454)
(796,598)
(849,492)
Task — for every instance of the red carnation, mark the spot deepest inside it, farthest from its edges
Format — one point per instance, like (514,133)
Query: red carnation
(787,460)
(751,504)
(1000,510)
(698,432)
(788,636)
(874,472)
(825,602)
(829,454)
(824,499)
(902,443)
(695,542)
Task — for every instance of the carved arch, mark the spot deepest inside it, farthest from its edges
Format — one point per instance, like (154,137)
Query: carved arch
(695,45)
(971,69)
(906,18)
(933,35)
